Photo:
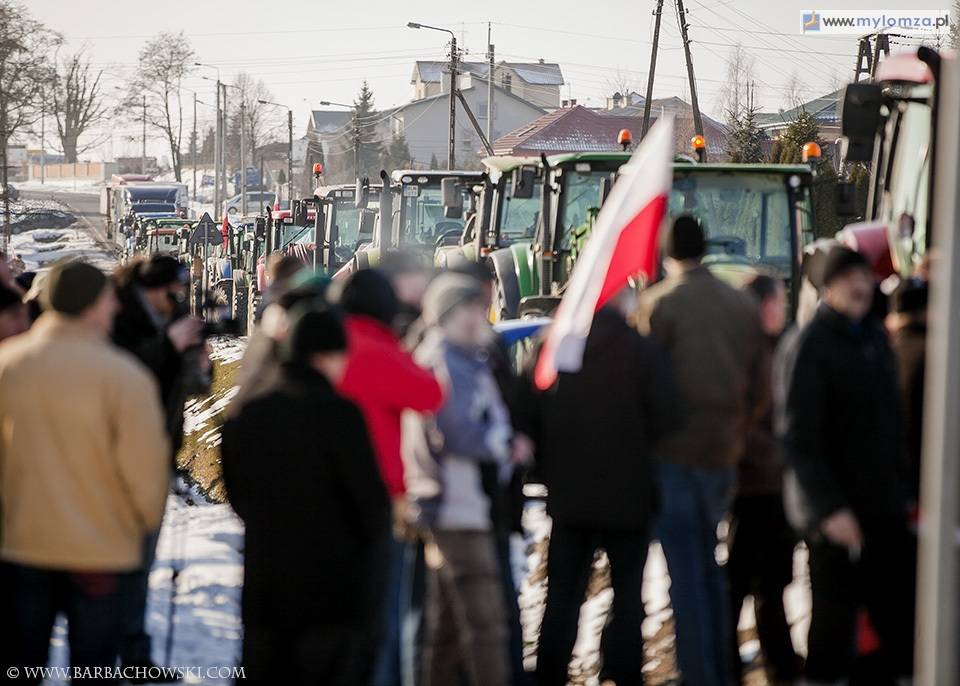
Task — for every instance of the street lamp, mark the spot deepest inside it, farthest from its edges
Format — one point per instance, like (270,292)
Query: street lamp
(289,147)
(453,87)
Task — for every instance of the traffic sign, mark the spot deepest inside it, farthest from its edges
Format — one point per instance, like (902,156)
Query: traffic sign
(206,229)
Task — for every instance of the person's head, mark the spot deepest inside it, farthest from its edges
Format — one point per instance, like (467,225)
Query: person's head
(848,283)
(79,291)
(908,304)
(479,272)
(771,297)
(281,268)
(14,317)
(684,245)
(455,304)
(163,280)
(409,277)
(316,339)
(368,293)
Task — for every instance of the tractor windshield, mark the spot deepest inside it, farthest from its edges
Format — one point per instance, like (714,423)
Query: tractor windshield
(518,218)
(421,215)
(746,217)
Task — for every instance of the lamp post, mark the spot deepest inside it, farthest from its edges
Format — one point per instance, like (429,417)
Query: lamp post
(454,56)
(243,146)
(217,146)
(289,147)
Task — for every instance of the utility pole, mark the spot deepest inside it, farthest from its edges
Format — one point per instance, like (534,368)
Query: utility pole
(216,159)
(881,44)
(451,141)
(243,155)
(223,144)
(290,157)
(682,20)
(43,134)
(196,145)
(653,69)
(143,150)
(490,73)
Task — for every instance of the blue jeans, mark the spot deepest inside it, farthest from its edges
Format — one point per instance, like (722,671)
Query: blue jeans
(135,649)
(93,603)
(386,670)
(694,501)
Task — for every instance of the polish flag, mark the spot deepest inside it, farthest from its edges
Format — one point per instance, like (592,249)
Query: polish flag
(225,232)
(623,243)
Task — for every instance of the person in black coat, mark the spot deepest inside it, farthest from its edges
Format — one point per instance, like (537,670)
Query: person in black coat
(597,433)
(844,446)
(300,472)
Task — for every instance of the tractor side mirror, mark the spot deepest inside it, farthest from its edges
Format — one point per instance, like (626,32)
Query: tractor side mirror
(522,182)
(260,230)
(452,198)
(361,197)
(860,119)
(368,221)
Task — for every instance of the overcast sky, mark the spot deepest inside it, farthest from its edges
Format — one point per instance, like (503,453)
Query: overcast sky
(312,50)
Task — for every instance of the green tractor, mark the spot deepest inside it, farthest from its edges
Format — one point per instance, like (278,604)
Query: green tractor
(757,218)
(412,217)
(503,209)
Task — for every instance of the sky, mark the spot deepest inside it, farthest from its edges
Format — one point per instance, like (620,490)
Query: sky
(312,50)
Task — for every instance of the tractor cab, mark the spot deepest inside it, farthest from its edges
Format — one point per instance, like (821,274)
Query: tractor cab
(888,124)
(346,219)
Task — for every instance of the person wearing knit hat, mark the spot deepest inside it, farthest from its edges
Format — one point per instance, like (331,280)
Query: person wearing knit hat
(317,521)
(73,287)
(714,338)
(458,462)
(844,443)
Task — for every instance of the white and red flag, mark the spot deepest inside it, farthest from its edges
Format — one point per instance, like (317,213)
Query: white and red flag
(623,243)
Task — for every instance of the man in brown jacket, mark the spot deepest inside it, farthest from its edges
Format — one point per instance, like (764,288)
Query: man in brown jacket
(713,336)
(83,475)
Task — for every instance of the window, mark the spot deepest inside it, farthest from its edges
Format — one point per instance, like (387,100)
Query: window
(466,144)
(506,82)
(482,110)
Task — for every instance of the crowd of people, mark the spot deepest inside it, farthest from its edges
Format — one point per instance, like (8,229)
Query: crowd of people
(379,443)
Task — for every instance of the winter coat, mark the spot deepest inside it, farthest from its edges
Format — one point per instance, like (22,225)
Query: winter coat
(761,469)
(910,349)
(300,472)
(383,380)
(713,336)
(136,331)
(84,460)
(457,459)
(599,427)
(842,423)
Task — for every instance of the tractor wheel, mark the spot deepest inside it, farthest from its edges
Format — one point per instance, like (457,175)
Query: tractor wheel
(253,306)
(239,309)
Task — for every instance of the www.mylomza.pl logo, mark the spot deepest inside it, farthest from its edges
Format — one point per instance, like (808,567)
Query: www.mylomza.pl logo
(867,21)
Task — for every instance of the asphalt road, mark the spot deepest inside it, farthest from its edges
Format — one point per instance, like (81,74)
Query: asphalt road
(85,206)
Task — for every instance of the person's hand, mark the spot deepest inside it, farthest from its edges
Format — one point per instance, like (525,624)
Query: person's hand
(521,449)
(842,529)
(403,530)
(185,333)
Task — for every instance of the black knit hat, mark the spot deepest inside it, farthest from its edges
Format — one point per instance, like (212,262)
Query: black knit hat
(685,240)
(72,287)
(9,297)
(369,293)
(842,260)
(910,296)
(313,330)
(161,270)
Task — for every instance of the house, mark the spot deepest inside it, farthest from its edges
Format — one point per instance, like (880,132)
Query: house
(579,129)
(826,112)
(535,82)
(632,105)
(424,122)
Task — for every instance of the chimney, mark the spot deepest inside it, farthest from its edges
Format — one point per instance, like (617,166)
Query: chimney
(541,61)
(573,102)
(564,104)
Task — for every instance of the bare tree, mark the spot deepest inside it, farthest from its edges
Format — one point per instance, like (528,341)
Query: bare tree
(794,92)
(953,38)
(26,68)
(154,91)
(735,92)
(258,119)
(77,103)
(622,82)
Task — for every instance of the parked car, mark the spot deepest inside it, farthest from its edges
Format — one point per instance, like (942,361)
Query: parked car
(255,200)
(9,192)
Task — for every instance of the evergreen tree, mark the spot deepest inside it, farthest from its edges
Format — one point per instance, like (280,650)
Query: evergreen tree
(745,143)
(433,161)
(397,154)
(209,145)
(363,134)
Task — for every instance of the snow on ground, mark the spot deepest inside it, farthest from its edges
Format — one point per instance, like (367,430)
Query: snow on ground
(40,247)
(85,186)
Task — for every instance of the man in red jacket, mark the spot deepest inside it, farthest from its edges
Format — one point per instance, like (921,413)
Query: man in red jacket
(383,380)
